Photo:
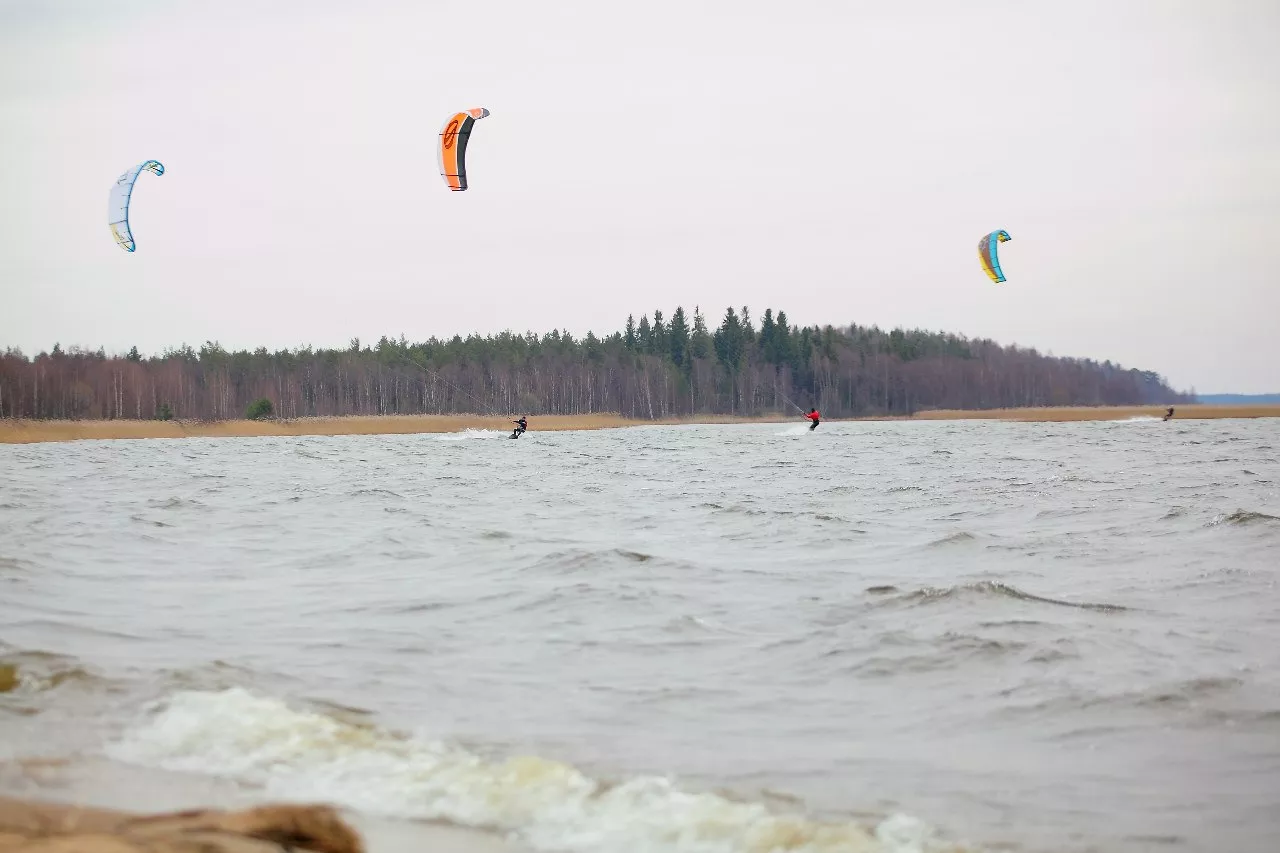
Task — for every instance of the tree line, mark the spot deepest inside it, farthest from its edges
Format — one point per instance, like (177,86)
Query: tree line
(658,367)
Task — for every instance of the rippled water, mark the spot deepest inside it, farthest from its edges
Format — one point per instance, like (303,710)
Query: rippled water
(1040,637)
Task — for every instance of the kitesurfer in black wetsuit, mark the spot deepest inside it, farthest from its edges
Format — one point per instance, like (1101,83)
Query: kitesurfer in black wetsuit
(521,426)
(1168,414)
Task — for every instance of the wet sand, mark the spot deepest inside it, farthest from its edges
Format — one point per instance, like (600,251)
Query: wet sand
(28,431)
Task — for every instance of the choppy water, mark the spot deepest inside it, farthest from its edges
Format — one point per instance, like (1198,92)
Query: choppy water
(1039,637)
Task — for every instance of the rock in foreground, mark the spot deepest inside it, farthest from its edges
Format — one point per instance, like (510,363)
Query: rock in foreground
(32,827)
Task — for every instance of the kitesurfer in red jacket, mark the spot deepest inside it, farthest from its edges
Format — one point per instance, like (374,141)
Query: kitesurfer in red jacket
(814,417)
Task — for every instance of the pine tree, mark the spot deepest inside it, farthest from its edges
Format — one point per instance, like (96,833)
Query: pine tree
(678,334)
(629,336)
(728,341)
(660,344)
(768,345)
(700,338)
(784,342)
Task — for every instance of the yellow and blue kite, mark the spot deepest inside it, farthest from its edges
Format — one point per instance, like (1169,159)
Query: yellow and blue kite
(988,255)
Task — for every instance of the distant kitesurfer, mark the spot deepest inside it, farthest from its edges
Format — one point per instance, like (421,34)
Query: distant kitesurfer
(1168,414)
(813,416)
(521,426)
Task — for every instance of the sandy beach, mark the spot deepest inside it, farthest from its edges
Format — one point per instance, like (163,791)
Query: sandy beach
(29,431)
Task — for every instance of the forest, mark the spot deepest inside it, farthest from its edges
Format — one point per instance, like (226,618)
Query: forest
(659,367)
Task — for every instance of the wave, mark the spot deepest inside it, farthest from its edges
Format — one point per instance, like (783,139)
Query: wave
(1243,517)
(995,589)
(580,560)
(826,518)
(12,567)
(374,493)
(698,626)
(1186,692)
(1064,512)
(150,521)
(945,653)
(1196,700)
(958,538)
(26,673)
(174,503)
(296,754)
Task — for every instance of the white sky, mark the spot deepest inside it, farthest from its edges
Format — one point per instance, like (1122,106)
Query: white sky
(839,160)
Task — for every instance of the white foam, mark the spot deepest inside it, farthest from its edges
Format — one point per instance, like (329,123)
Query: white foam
(798,429)
(1137,419)
(303,755)
(470,433)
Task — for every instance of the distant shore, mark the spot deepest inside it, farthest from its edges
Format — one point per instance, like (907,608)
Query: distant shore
(1184,412)
(30,431)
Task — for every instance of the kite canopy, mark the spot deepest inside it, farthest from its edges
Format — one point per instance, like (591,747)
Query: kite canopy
(988,255)
(453,147)
(118,203)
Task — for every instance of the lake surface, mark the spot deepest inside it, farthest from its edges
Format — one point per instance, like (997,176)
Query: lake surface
(699,639)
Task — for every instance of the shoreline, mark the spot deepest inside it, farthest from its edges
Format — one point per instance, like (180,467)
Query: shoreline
(1064,414)
(19,431)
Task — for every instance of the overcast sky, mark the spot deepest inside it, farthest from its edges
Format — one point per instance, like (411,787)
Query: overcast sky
(839,160)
